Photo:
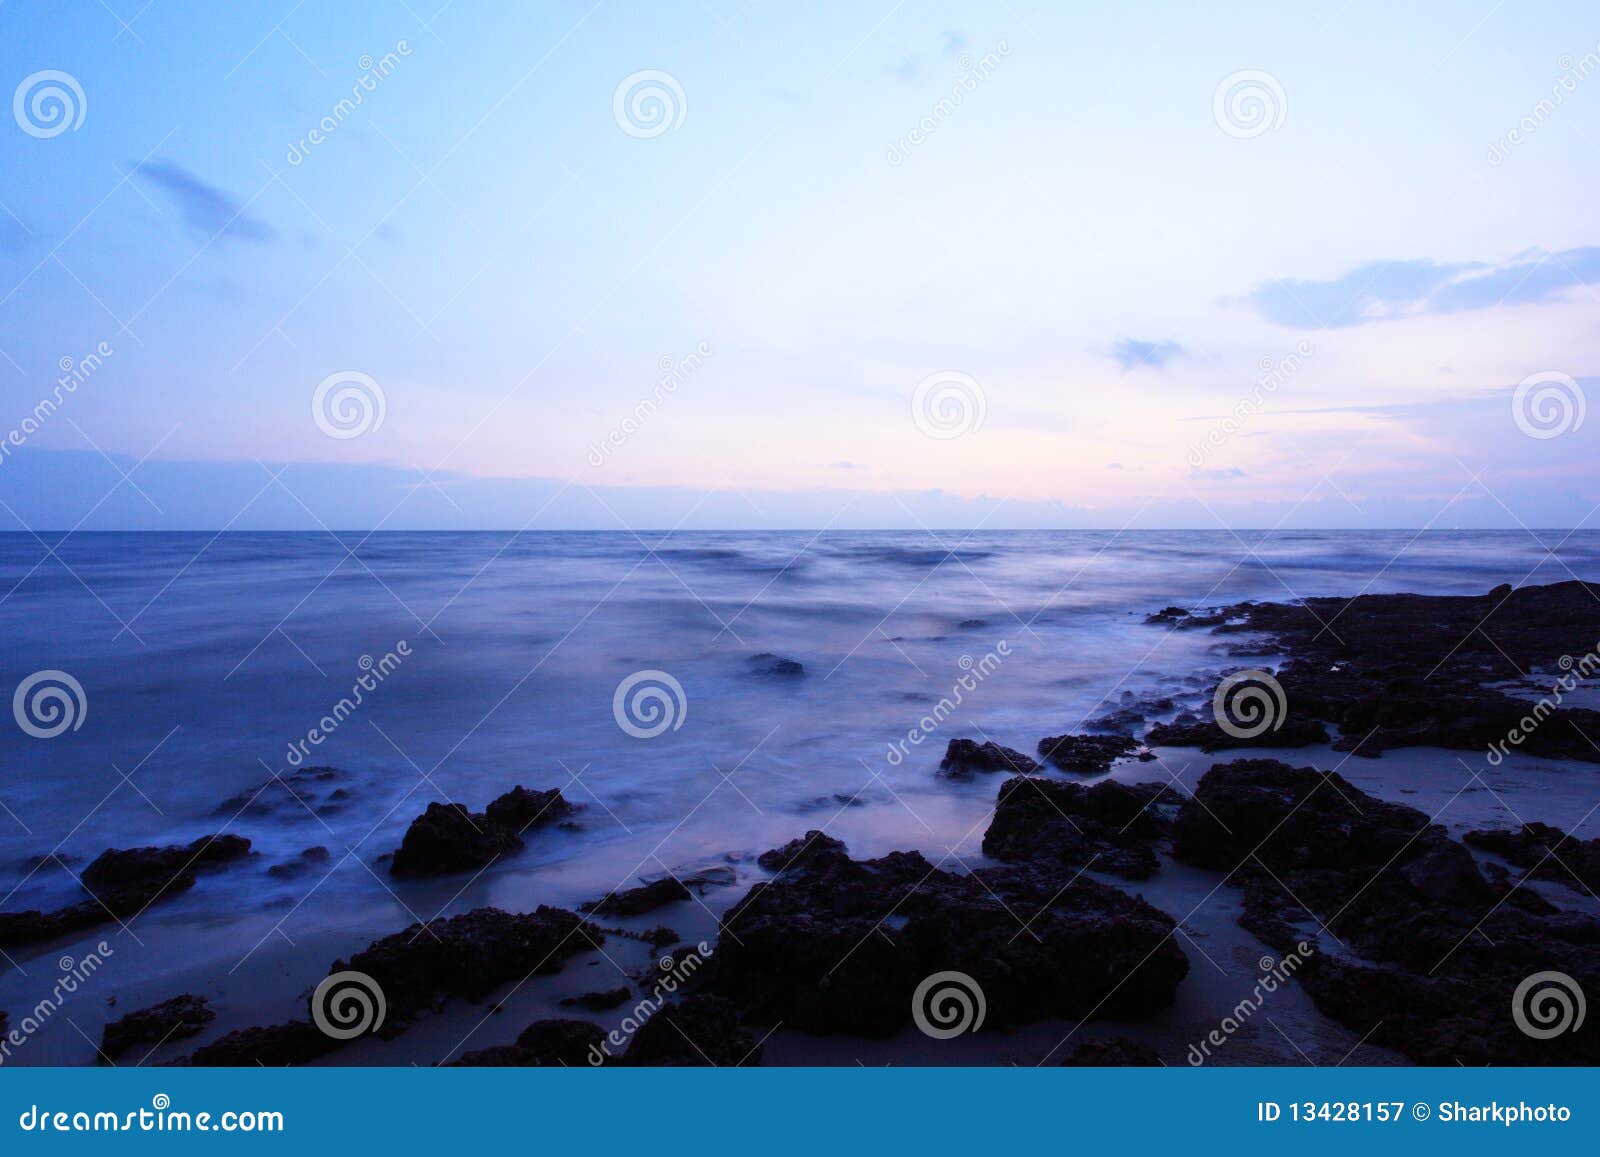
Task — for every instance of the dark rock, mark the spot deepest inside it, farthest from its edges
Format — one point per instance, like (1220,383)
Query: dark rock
(1167,615)
(1429,953)
(1189,730)
(1113,1051)
(469,956)
(1109,827)
(776,666)
(1408,670)
(660,936)
(544,1043)
(297,795)
(295,1042)
(813,845)
(176,1019)
(520,809)
(599,1001)
(697,1030)
(116,868)
(972,624)
(964,756)
(1089,754)
(301,864)
(637,901)
(122,884)
(449,838)
(838,945)
(1547,852)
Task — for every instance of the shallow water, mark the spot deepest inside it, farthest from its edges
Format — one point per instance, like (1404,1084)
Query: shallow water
(204,658)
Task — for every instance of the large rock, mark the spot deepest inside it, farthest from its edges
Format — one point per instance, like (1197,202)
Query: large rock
(139,867)
(121,884)
(1109,827)
(963,757)
(838,945)
(1403,939)
(469,956)
(450,837)
(1408,670)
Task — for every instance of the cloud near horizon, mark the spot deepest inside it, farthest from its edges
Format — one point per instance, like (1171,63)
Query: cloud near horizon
(1389,290)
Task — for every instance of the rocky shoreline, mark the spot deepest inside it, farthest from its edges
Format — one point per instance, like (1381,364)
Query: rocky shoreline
(1407,937)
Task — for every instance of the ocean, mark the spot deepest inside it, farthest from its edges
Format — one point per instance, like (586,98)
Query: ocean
(210,663)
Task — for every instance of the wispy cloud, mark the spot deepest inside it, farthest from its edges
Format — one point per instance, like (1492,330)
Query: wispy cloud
(1385,290)
(1131,353)
(206,209)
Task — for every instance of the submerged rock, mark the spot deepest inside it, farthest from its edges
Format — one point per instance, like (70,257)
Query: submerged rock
(776,666)
(637,901)
(963,757)
(599,1001)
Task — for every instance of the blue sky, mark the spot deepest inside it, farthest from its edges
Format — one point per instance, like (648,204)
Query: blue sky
(1052,223)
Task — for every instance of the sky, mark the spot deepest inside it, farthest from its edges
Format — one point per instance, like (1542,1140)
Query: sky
(453,264)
